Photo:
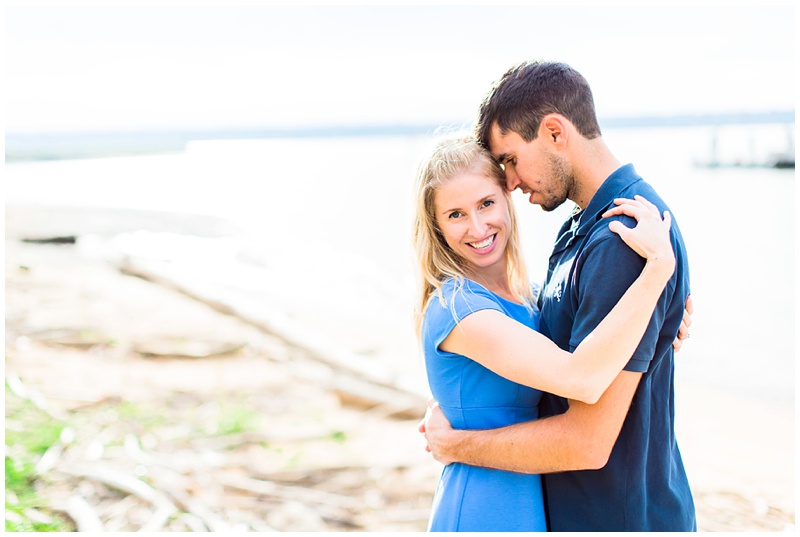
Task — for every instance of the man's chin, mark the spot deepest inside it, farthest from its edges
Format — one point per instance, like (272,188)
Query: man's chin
(548,205)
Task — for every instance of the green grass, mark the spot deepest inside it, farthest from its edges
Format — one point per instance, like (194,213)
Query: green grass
(236,418)
(30,432)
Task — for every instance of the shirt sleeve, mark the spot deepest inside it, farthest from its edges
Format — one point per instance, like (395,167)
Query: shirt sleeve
(606,270)
(459,302)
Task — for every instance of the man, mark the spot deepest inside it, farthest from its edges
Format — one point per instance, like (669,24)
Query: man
(614,465)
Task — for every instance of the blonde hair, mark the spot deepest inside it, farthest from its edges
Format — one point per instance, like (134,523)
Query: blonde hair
(436,262)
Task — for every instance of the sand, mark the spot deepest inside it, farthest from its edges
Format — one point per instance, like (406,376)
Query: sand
(77,331)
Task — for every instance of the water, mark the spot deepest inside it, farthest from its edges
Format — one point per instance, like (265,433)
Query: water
(328,220)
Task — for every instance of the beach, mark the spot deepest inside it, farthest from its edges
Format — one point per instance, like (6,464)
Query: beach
(90,339)
(234,332)
(211,281)
(182,418)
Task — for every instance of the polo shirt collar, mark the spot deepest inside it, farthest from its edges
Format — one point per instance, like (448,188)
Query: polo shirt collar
(612,187)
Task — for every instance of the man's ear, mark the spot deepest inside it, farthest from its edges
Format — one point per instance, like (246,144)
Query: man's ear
(554,127)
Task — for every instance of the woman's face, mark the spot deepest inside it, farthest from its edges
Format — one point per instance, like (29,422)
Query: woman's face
(472,212)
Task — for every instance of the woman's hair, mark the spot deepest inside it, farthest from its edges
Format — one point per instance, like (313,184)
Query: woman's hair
(453,156)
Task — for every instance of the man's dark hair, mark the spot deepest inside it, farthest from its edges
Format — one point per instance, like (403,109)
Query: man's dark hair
(529,91)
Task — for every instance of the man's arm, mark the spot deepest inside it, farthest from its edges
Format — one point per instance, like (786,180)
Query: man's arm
(580,439)
(479,448)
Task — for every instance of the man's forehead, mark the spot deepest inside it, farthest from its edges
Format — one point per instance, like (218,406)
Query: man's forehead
(496,142)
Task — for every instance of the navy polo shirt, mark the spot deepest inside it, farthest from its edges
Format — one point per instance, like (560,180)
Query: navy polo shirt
(644,486)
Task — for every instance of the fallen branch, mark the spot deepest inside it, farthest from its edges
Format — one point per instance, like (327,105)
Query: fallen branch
(125,483)
(365,384)
(83,514)
(185,349)
(34,396)
(203,515)
(354,391)
(303,495)
(65,239)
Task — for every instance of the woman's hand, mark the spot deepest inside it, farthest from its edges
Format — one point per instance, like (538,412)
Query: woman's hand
(654,229)
(686,322)
(650,238)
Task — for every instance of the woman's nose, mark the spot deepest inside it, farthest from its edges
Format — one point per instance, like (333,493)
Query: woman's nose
(479,227)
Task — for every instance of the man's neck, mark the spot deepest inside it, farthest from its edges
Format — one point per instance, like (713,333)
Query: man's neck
(592,163)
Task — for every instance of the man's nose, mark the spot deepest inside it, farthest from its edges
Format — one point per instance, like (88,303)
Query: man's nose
(512,181)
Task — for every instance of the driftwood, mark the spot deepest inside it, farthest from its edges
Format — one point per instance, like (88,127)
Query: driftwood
(200,515)
(33,395)
(276,473)
(228,442)
(267,488)
(83,514)
(64,239)
(200,484)
(185,349)
(358,380)
(164,508)
(50,458)
(380,399)
(329,505)
(158,458)
(261,316)
(306,475)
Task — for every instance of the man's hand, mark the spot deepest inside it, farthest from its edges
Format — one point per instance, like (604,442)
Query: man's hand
(686,322)
(436,429)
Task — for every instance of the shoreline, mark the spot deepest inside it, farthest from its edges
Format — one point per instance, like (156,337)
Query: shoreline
(99,226)
(738,448)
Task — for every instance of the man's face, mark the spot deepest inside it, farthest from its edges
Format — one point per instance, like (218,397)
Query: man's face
(533,167)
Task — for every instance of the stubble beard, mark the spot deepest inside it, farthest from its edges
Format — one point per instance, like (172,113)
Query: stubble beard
(562,181)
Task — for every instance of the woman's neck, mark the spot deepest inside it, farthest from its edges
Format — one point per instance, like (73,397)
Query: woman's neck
(495,279)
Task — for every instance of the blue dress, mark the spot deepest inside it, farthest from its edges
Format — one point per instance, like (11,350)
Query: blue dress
(471,498)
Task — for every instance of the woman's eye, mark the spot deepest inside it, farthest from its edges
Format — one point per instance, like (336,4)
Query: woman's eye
(454,214)
(488,203)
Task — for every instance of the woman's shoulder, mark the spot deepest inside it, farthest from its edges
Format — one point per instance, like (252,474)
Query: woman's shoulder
(464,287)
(454,300)
(456,294)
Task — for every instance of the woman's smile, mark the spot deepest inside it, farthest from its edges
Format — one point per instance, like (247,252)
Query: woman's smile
(485,246)
(473,215)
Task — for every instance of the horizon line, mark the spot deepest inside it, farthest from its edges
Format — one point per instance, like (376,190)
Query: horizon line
(67,145)
(775,116)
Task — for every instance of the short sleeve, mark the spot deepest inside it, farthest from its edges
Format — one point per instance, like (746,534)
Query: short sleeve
(607,270)
(460,300)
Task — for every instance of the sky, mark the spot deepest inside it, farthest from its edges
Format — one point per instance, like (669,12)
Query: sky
(179,66)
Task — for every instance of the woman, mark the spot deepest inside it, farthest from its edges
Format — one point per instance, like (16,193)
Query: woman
(477,322)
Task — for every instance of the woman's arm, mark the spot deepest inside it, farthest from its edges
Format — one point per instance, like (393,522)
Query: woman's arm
(686,322)
(518,353)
